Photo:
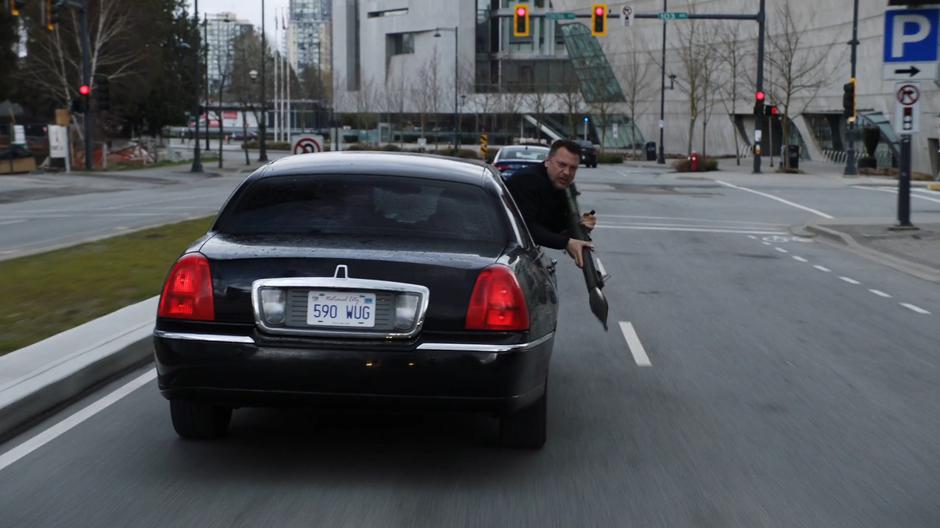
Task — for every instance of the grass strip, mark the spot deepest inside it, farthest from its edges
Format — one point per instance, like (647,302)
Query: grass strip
(52,292)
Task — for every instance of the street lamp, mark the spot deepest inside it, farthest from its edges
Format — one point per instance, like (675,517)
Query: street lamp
(437,34)
(253,75)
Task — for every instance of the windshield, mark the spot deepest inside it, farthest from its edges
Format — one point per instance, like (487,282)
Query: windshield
(530,154)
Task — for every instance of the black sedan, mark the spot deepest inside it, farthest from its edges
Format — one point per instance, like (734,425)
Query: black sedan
(361,279)
(513,158)
(588,153)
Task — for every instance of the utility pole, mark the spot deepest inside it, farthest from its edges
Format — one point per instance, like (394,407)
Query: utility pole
(205,52)
(197,161)
(851,168)
(86,80)
(662,97)
(263,148)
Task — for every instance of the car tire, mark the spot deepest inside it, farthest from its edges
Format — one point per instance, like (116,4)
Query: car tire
(199,421)
(525,428)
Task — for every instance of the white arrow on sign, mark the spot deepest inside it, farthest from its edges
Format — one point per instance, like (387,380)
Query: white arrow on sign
(910,71)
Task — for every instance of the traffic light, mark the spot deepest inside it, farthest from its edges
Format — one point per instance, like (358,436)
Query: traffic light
(80,103)
(520,21)
(103,92)
(848,99)
(599,20)
(770,110)
(16,7)
(774,111)
(759,102)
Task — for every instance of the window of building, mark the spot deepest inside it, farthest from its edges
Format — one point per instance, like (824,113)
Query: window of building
(388,12)
(401,43)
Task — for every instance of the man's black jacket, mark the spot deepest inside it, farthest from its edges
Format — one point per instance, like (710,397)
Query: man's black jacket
(543,207)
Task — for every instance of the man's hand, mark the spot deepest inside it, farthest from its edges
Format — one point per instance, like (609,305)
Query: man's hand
(588,220)
(575,250)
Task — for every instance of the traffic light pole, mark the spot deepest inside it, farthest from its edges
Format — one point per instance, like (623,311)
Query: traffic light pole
(661,159)
(86,80)
(197,160)
(263,125)
(851,168)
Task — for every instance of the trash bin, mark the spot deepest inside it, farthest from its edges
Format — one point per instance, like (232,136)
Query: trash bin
(651,151)
(793,156)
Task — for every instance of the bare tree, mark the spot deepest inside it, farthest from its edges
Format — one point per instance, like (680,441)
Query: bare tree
(636,85)
(710,65)
(798,72)
(573,103)
(394,100)
(58,56)
(731,51)
(691,81)
(603,110)
(539,101)
(427,93)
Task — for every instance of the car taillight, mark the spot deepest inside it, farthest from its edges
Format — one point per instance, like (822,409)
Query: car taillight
(497,302)
(187,293)
(503,166)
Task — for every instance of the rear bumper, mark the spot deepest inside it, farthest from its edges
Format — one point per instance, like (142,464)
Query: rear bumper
(238,371)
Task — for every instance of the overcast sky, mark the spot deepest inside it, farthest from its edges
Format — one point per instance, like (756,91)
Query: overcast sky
(246,9)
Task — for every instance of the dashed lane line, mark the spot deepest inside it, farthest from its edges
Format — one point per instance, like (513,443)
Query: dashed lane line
(822,268)
(781,250)
(880,293)
(800,259)
(915,308)
(849,280)
(776,198)
(634,344)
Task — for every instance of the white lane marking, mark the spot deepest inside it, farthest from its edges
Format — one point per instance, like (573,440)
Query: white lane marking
(10,222)
(688,229)
(634,344)
(914,308)
(777,198)
(850,280)
(766,243)
(752,237)
(698,220)
(822,268)
(781,250)
(800,259)
(880,293)
(895,191)
(50,434)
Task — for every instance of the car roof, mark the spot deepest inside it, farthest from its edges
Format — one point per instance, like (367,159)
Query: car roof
(384,163)
(525,147)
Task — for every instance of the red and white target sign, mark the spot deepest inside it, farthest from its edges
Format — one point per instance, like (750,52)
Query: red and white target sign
(307,144)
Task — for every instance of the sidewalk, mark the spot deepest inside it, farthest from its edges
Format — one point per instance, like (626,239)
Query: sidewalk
(916,252)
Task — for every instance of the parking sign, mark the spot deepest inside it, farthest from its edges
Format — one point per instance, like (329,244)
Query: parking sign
(911,44)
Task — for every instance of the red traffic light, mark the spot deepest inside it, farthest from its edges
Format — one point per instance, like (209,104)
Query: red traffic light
(759,97)
(520,11)
(84,89)
(599,11)
(774,111)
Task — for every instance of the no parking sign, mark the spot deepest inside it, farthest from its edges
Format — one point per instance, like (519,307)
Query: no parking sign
(307,144)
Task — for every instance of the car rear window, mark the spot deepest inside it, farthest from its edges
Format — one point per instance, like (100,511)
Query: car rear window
(365,205)
(525,154)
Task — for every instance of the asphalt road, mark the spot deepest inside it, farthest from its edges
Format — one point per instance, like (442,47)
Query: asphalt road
(781,382)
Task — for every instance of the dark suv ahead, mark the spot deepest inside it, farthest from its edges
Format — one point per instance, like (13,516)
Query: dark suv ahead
(588,153)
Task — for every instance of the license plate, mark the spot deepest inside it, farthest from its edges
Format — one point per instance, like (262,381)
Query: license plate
(331,308)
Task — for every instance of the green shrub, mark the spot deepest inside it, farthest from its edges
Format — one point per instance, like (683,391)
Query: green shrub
(610,158)
(271,145)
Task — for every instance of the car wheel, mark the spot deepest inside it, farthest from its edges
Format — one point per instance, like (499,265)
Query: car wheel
(526,427)
(199,420)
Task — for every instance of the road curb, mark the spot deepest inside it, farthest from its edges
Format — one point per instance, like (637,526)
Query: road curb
(899,263)
(61,368)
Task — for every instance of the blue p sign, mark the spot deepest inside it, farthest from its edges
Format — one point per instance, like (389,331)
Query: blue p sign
(911,35)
